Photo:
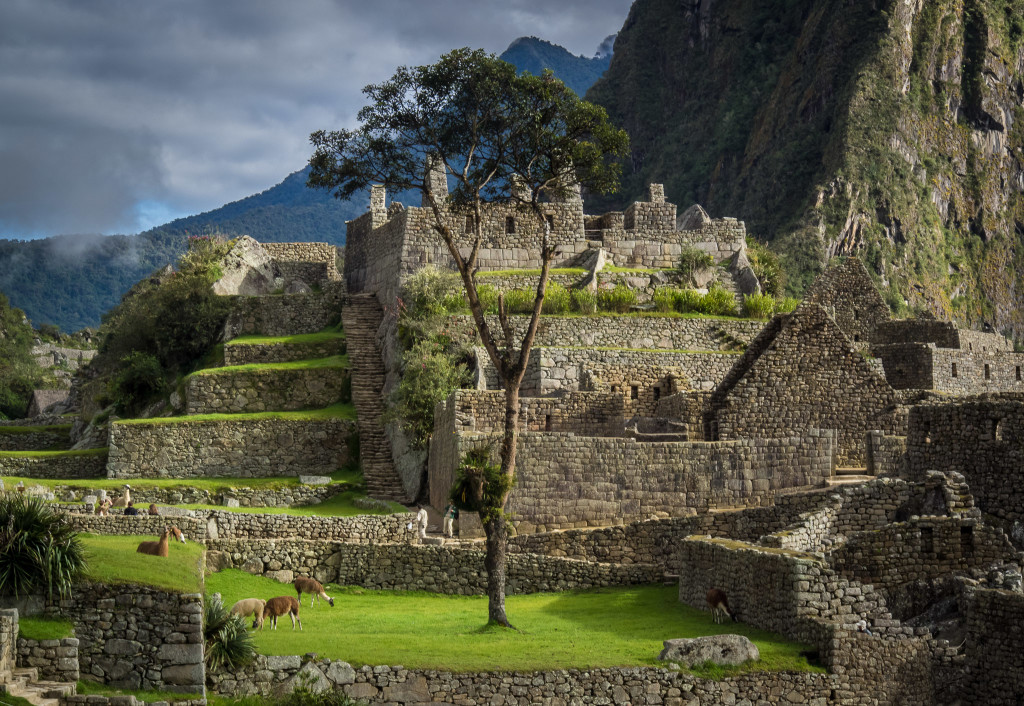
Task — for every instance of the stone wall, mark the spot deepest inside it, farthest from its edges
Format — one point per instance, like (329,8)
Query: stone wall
(249,448)
(923,366)
(285,496)
(34,438)
(128,700)
(138,637)
(803,373)
(565,481)
(194,529)
(981,438)
(994,669)
(8,639)
(886,454)
(652,245)
(284,314)
(313,263)
(847,292)
(55,465)
(399,686)
(245,353)
(411,567)
(585,413)
(56,660)
(358,529)
(223,390)
(643,332)
(942,334)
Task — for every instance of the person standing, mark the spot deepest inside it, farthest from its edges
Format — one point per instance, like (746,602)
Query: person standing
(451,513)
(421,522)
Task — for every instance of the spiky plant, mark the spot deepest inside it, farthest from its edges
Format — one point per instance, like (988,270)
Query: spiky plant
(39,549)
(229,644)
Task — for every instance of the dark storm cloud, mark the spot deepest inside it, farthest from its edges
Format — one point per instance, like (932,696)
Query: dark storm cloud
(188,104)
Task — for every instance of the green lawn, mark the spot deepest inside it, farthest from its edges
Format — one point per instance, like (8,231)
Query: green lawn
(90,688)
(337,411)
(350,476)
(334,361)
(49,428)
(114,559)
(339,505)
(53,454)
(40,628)
(585,629)
(534,273)
(321,337)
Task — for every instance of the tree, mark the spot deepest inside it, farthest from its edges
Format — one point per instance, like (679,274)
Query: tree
(497,137)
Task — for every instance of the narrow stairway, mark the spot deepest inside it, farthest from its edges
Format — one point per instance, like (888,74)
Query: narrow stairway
(362,318)
(25,683)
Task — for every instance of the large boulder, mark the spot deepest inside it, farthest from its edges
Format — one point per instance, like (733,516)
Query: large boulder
(247,269)
(693,218)
(720,649)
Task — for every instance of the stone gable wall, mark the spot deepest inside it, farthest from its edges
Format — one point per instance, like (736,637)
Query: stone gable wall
(262,390)
(56,660)
(251,448)
(138,637)
(284,314)
(68,467)
(981,438)
(313,263)
(847,292)
(566,481)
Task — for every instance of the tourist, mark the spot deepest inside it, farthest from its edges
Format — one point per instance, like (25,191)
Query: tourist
(862,626)
(153,510)
(421,522)
(131,509)
(451,513)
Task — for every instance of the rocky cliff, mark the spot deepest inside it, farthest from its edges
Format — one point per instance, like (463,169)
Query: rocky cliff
(893,129)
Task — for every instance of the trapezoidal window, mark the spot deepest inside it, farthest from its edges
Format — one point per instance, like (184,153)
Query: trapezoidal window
(469,224)
(856,315)
(953,371)
(634,392)
(1018,373)
(966,539)
(657,393)
(1001,430)
(547,422)
(927,540)
(510,224)
(550,220)
(988,372)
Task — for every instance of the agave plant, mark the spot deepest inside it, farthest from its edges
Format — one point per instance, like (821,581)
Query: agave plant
(39,549)
(228,643)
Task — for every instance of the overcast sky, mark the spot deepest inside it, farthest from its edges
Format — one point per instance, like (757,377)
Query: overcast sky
(118,115)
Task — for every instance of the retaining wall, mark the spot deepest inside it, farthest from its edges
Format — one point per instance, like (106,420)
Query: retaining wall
(29,439)
(245,353)
(994,668)
(56,465)
(284,314)
(286,496)
(283,389)
(56,660)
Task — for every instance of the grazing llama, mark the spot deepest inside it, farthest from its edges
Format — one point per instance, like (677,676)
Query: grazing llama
(282,605)
(253,607)
(124,499)
(313,588)
(160,547)
(719,605)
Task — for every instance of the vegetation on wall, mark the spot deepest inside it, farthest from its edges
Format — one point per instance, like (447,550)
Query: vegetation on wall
(19,373)
(39,550)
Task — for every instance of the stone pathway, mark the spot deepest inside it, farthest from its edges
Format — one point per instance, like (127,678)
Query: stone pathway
(25,683)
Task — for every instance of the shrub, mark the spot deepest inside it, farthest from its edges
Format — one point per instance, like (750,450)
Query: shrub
(786,305)
(429,376)
(556,299)
(767,268)
(584,301)
(229,644)
(688,300)
(139,380)
(488,295)
(619,299)
(519,301)
(664,298)
(39,549)
(718,302)
(430,292)
(758,306)
(693,260)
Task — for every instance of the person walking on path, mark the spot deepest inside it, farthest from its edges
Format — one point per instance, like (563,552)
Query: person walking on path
(451,513)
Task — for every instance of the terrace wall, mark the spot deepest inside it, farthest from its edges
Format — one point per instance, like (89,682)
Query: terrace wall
(281,389)
(313,263)
(57,466)
(284,314)
(29,439)
(245,353)
(56,660)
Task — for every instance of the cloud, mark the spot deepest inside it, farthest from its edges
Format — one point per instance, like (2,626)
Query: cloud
(191,104)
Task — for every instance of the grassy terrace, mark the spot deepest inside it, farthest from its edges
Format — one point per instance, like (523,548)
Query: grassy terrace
(334,361)
(573,629)
(47,428)
(340,505)
(337,411)
(52,454)
(321,337)
(114,559)
(39,628)
(211,484)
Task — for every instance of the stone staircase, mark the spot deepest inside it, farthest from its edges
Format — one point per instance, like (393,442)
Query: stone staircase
(362,318)
(849,476)
(25,683)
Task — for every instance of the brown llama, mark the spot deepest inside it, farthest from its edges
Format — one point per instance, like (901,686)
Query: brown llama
(282,605)
(313,588)
(719,605)
(160,547)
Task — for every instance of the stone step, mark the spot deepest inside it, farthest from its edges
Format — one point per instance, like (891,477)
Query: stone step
(25,683)
(851,471)
(848,480)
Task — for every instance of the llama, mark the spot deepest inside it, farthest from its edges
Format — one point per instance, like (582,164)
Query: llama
(313,588)
(282,605)
(719,605)
(160,548)
(253,607)
(124,499)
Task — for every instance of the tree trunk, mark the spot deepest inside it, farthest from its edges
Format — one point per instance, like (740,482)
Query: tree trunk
(496,525)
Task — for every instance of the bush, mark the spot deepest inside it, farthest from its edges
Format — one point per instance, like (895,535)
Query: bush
(432,292)
(664,299)
(693,260)
(430,374)
(786,305)
(584,301)
(620,299)
(766,267)
(758,306)
(139,380)
(556,299)
(718,302)
(229,644)
(39,549)
(688,300)
(519,301)
(488,295)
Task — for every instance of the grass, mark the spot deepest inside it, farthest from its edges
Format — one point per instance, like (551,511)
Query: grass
(53,454)
(350,476)
(339,505)
(577,629)
(334,361)
(8,700)
(48,428)
(321,337)
(42,628)
(114,559)
(635,270)
(91,688)
(337,411)
(535,273)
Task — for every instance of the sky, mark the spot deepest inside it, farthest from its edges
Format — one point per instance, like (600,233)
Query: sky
(119,115)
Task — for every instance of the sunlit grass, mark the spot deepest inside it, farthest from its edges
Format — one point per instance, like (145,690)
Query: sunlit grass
(115,559)
(334,361)
(53,454)
(37,627)
(337,411)
(302,338)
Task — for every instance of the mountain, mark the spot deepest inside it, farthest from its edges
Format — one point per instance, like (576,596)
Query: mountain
(533,55)
(71,280)
(890,130)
